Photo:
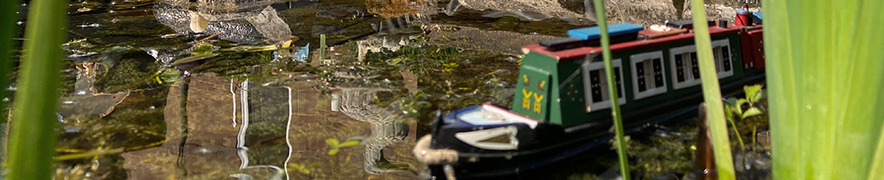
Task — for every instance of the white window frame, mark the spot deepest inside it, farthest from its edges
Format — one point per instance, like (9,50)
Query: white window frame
(651,91)
(587,84)
(689,81)
(719,65)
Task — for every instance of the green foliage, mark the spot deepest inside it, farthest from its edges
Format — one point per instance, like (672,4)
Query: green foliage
(826,74)
(335,146)
(302,169)
(449,67)
(33,138)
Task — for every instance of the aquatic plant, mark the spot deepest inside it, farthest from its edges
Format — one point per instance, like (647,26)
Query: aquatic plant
(33,138)
(825,76)
(615,106)
(712,94)
(734,107)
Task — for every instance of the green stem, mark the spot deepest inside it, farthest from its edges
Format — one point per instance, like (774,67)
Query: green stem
(712,93)
(33,139)
(321,48)
(609,72)
(739,139)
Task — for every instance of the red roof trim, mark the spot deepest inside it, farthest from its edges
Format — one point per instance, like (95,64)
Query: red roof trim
(573,54)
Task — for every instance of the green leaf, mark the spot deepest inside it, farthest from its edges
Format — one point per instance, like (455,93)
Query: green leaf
(731,101)
(349,143)
(750,112)
(753,93)
(825,74)
(333,151)
(32,136)
(395,61)
(739,107)
(332,142)
(712,94)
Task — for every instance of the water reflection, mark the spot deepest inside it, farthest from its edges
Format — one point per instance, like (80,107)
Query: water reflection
(386,126)
(240,21)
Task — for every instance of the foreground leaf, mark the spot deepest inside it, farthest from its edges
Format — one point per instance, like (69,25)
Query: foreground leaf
(826,73)
(32,137)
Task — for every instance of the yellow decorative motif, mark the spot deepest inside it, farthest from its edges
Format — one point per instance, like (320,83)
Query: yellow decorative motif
(537,105)
(525,77)
(540,87)
(526,102)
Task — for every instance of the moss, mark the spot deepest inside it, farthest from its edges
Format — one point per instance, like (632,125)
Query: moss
(130,73)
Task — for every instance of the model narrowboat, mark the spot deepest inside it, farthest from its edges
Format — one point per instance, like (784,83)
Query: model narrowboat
(562,108)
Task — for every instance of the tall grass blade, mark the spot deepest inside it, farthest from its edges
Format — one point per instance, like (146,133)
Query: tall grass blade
(825,68)
(712,94)
(33,139)
(609,73)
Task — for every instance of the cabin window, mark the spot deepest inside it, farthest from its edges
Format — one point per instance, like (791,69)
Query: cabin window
(596,84)
(723,58)
(685,65)
(647,73)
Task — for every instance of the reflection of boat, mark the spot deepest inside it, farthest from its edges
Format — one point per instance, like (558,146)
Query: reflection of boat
(267,118)
(562,106)
(386,128)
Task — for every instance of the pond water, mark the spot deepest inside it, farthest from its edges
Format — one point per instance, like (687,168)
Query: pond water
(223,89)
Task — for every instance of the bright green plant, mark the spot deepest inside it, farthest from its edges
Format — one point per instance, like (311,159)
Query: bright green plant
(754,94)
(825,68)
(335,146)
(733,108)
(33,137)
(712,94)
(609,72)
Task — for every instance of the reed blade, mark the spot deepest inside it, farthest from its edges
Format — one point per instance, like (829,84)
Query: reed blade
(609,73)
(33,137)
(712,94)
(825,75)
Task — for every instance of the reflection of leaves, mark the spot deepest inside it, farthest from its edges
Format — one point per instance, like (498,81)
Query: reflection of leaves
(301,169)
(336,146)
(331,142)
(349,143)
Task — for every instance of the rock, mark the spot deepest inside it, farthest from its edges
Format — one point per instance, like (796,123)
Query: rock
(640,12)
(505,42)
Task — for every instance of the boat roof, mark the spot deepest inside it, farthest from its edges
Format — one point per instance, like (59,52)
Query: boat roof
(579,52)
(614,29)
